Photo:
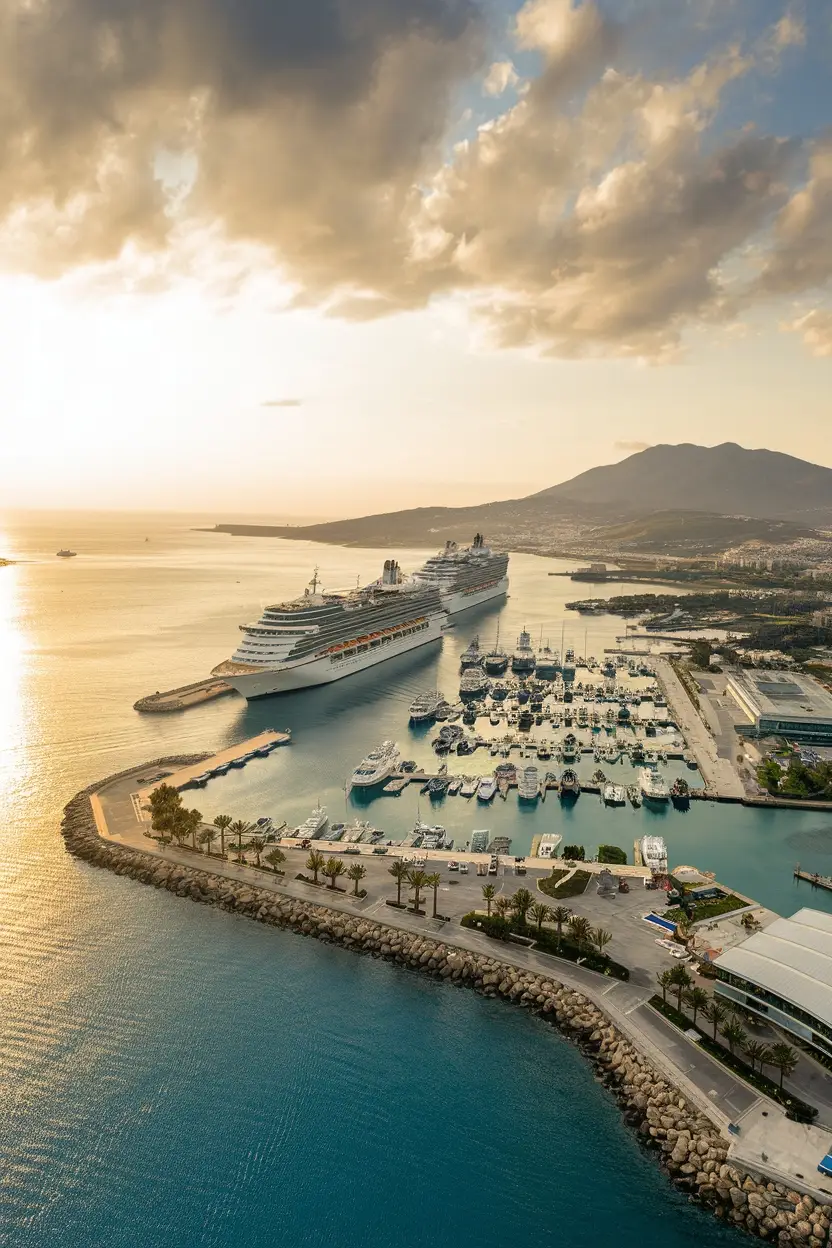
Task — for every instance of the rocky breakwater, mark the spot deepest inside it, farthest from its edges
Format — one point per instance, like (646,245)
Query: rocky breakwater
(691,1148)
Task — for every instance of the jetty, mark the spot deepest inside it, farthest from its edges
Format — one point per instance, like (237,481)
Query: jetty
(215,764)
(819,881)
(184,697)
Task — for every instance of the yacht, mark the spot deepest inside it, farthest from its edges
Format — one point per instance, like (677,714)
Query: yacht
(486,789)
(614,794)
(473,683)
(471,657)
(653,785)
(548,845)
(523,659)
(654,854)
(548,663)
(470,784)
(528,784)
(313,827)
(67,554)
(377,767)
(465,577)
(424,707)
(569,782)
(324,636)
(495,661)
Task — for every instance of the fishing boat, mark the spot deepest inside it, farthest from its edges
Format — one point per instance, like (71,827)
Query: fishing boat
(469,786)
(423,708)
(653,785)
(471,657)
(495,661)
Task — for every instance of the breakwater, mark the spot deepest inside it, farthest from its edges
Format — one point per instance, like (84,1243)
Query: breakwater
(180,699)
(691,1148)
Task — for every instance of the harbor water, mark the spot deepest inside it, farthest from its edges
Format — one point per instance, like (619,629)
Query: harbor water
(172,1075)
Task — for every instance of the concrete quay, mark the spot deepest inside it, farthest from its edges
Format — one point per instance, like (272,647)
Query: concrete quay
(184,697)
(269,739)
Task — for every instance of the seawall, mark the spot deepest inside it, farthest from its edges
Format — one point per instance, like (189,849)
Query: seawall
(690,1147)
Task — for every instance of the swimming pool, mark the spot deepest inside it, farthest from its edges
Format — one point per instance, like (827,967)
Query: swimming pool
(665,924)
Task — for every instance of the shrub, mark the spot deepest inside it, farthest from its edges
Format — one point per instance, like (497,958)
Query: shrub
(612,854)
(547,941)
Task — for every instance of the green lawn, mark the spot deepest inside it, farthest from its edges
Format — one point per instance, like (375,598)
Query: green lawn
(554,886)
(706,910)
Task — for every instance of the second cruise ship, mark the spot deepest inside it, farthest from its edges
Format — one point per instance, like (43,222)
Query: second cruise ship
(321,637)
(465,577)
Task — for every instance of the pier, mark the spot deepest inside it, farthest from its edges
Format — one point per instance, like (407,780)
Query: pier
(818,881)
(269,740)
(184,697)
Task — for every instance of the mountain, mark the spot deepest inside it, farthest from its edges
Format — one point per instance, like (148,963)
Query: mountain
(726,480)
(703,490)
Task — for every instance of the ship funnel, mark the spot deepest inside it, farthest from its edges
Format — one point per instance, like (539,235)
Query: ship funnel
(392,573)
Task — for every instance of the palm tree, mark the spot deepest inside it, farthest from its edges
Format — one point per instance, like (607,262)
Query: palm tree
(697,999)
(399,872)
(417,881)
(521,903)
(258,845)
(579,930)
(356,873)
(736,1035)
(785,1059)
(207,837)
(665,981)
(540,913)
(239,828)
(194,818)
(315,863)
(600,939)
(223,823)
(681,982)
(755,1052)
(561,915)
(489,892)
(766,1058)
(275,858)
(716,1013)
(333,869)
(502,906)
(433,881)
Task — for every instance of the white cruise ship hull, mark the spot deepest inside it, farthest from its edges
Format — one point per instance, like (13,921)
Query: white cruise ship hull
(458,600)
(322,670)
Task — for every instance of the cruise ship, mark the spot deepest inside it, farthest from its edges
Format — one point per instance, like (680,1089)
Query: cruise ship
(465,577)
(321,637)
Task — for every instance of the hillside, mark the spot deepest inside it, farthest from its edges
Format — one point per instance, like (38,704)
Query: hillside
(660,490)
(726,479)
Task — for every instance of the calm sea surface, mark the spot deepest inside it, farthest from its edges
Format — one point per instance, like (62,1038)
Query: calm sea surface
(171,1075)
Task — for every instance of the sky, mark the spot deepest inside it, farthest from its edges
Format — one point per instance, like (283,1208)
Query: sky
(347,256)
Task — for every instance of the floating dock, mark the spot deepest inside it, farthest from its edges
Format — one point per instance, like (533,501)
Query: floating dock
(266,741)
(819,881)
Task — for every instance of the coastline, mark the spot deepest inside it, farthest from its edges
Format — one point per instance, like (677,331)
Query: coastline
(688,1136)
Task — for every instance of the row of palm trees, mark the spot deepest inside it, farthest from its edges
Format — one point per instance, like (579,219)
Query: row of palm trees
(333,869)
(726,1022)
(523,906)
(223,827)
(416,881)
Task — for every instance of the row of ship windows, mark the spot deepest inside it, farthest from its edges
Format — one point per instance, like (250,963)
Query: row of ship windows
(377,641)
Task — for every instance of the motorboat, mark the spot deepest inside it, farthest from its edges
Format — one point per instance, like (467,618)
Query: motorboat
(486,789)
(653,785)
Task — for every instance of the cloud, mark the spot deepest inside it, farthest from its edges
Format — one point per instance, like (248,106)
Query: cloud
(602,211)
(632,447)
(816,330)
(282,403)
(499,78)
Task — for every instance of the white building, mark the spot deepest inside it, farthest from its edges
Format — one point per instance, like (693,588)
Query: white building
(784,974)
(782,703)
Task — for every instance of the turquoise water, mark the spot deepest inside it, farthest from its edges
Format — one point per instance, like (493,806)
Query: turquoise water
(172,1075)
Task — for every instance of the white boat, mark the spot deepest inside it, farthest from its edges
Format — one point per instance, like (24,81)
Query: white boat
(479,840)
(486,789)
(653,785)
(469,786)
(654,854)
(424,707)
(548,845)
(473,682)
(315,825)
(321,636)
(528,784)
(465,577)
(377,767)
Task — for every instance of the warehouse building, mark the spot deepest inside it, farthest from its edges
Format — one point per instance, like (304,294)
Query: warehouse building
(781,703)
(784,974)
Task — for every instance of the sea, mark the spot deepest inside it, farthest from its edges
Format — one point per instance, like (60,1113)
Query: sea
(173,1075)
